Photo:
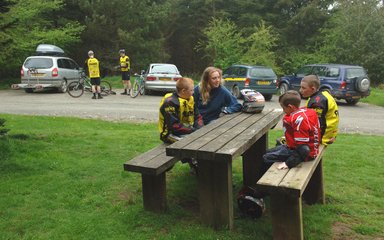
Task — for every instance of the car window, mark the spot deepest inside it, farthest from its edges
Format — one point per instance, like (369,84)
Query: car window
(355,72)
(320,71)
(164,69)
(304,71)
(333,72)
(227,71)
(262,73)
(38,63)
(73,64)
(63,63)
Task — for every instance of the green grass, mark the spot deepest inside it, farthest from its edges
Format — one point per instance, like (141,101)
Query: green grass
(63,178)
(376,97)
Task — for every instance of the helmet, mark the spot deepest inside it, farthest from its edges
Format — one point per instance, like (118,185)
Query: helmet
(122,51)
(249,203)
(90,52)
(253,101)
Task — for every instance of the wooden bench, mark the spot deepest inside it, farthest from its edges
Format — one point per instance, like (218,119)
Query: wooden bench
(152,165)
(286,188)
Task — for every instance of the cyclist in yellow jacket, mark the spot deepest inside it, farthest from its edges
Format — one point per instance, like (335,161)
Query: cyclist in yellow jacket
(324,105)
(125,66)
(93,69)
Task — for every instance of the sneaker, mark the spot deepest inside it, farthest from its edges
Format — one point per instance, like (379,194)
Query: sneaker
(94,97)
(124,93)
(99,97)
(194,167)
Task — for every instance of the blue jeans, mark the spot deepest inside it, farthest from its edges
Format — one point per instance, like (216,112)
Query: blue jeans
(277,154)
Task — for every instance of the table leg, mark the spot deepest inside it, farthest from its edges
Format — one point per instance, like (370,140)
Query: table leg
(215,193)
(253,161)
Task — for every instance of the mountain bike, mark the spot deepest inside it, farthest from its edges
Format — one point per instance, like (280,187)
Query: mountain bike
(76,89)
(138,85)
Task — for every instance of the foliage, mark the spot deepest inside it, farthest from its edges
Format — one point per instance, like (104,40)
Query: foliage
(29,23)
(64,180)
(355,35)
(223,43)
(376,97)
(3,131)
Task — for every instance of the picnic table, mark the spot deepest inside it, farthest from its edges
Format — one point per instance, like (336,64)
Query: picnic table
(214,147)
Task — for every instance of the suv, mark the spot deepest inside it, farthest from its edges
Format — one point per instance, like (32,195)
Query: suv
(259,78)
(48,69)
(347,82)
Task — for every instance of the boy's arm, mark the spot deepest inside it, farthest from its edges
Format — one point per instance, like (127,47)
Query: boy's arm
(171,118)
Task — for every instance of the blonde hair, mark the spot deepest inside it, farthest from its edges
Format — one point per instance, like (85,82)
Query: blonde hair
(205,87)
(184,83)
(312,80)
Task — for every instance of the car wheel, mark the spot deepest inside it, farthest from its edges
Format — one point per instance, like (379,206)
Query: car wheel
(352,101)
(283,88)
(147,91)
(362,84)
(63,87)
(267,97)
(28,90)
(236,91)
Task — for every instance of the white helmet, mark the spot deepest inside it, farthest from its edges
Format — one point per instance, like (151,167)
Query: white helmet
(253,101)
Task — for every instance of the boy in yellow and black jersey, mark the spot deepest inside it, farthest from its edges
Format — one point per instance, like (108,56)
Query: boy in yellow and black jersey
(178,113)
(125,66)
(324,105)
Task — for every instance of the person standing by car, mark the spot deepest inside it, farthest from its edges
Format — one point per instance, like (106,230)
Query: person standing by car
(93,68)
(324,105)
(212,98)
(125,66)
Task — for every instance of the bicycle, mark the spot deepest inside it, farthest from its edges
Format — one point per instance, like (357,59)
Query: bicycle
(76,89)
(138,85)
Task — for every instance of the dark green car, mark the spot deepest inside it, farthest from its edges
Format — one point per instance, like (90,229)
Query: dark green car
(259,78)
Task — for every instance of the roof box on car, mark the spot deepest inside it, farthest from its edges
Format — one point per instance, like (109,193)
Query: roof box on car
(49,50)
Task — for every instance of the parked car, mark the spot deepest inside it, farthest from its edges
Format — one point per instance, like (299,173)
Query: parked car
(161,77)
(259,78)
(48,69)
(348,82)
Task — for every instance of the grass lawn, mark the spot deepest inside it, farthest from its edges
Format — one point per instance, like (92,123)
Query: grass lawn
(63,178)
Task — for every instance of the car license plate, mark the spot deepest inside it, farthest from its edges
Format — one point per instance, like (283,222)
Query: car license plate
(165,79)
(37,74)
(263,82)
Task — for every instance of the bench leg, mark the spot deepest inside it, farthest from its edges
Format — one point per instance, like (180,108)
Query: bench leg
(154,192)
(215,193)
(287,222)
(314,193)
(253,162)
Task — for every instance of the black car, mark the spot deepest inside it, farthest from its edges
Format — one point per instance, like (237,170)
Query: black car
(348,82)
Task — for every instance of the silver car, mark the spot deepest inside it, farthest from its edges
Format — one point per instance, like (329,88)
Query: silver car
(161,77)
(49,70)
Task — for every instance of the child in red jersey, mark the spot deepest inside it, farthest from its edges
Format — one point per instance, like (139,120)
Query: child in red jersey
(302,134)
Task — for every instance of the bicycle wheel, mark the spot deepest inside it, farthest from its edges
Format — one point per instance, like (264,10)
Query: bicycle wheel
(105,88)
(141,88)
(75,89)
(135,89)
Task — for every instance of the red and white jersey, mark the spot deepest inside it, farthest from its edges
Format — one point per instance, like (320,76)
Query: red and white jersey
(302,127)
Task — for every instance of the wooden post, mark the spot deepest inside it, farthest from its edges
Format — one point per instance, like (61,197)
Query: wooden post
(314,192)
(253,161)
(154,192)
(287,222)
(215,193)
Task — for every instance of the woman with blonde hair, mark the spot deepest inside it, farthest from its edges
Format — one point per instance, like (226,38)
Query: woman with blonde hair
(212,98)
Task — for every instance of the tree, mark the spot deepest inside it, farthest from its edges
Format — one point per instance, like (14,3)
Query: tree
(355,35)
(28,23)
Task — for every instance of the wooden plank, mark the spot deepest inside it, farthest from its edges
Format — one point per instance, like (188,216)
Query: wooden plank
(227,133)
(154,192)
(249,136)
(271,180)
(145,157)
(287,219)
(314,192)
(215,193)
(176,149)
(298,177)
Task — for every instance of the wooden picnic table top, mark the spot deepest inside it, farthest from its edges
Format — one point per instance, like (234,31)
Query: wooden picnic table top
(226,138)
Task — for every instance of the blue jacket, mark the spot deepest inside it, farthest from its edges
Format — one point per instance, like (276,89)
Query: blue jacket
(221,100)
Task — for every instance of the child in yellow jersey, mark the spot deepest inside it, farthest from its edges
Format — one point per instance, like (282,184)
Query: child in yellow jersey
(179,115)
(125,66)
(92,65)
(324,105)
